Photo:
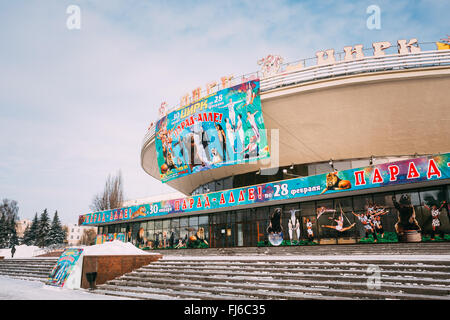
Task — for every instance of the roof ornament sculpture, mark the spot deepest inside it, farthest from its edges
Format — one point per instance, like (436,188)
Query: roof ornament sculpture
(162,111)
(270,65)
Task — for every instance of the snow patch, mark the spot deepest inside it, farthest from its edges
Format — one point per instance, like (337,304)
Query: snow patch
(16,289)
(114,248)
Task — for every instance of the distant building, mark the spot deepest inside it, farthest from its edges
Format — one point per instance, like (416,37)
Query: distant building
(21,226)
(75,232)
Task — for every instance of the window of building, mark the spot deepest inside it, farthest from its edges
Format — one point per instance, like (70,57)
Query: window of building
(193,225)
(166,224)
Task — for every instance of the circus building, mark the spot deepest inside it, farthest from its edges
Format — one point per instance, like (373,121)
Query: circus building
(350,146)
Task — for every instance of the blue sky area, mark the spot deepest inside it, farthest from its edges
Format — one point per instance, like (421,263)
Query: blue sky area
(75,104)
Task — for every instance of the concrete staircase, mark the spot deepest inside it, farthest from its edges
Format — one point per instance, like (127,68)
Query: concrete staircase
(36,269)
(264,277)
(436,248)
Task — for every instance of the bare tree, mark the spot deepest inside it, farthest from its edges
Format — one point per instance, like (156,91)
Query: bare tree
(88,238)
(112,195)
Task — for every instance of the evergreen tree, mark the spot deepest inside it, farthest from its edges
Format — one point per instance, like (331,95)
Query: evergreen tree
(3,231)
(26,236)
(8,217)
(30,234)
(56,234)
(13,238)
(43,229)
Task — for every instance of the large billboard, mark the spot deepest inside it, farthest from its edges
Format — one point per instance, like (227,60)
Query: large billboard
(387,174)
(225,128)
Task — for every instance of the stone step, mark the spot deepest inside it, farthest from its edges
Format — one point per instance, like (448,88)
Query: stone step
(156,294)
(213,293)
(30,273)
(289,285)
(133,295)
(306,260)
(278,292)
(25,267)
(296,278)
(306,264)
(25,277)
(378,249)
(289,271)
(26,260)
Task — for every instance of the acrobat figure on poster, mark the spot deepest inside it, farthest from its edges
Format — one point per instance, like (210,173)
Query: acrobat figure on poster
(250,95)
(290,228)
(222,141)
(322,210)
(252,149)
(374,210)
(339,223)
(181,242)
(240,130)
(200,142)
(184,145)
(251,119)
(376,221)
(365,220)
(194,156)
(216,158)
(231,112)
(166,142)
(230,134)
(309,230)
(294,224)
(435,222)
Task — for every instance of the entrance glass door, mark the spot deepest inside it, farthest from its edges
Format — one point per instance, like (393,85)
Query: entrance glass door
(244,235)
(240,234)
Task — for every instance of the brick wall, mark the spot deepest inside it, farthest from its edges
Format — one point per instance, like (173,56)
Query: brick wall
(110,267)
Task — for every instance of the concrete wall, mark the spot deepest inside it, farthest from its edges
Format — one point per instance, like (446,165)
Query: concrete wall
(110,267)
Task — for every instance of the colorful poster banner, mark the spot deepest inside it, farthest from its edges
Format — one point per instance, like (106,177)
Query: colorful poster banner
(225,128)
(387,174)
(64,267)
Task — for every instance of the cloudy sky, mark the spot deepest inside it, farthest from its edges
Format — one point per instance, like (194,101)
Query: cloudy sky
(75,104)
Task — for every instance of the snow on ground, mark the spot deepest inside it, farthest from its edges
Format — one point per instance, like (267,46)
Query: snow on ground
(22,251)
(315,257)
(17,289)
(108,248)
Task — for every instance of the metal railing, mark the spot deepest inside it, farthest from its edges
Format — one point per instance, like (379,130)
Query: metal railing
(307,73)
(364,65)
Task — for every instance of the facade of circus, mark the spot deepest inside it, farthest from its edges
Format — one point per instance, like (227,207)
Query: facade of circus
(346,147)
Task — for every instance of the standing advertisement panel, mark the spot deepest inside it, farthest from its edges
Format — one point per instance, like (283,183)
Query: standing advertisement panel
(64,266)
(225,128)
